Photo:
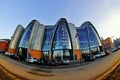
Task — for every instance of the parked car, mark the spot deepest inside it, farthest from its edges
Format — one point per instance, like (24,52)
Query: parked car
(107,52)
(17,57)
(11,55)
(53,62)
(90,58)
(42,61)
(7,53)
(65,61)
(114,49)
(100,54)
(32,60)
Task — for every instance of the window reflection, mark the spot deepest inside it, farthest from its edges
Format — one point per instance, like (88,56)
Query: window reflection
(62,39)
(85,32)
(45,55)
(57,55)
(47,38)
(61,43)
(61,55)
(26,36)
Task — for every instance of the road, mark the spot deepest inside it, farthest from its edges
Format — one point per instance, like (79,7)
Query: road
(85,72)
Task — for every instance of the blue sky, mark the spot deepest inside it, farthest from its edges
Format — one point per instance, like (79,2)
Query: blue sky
(104,14)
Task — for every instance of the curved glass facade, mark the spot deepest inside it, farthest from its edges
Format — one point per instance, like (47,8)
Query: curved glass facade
(61,38)
(25,38)
(83,38)
(36,37)
(48,38)
(60,41)
(89,39)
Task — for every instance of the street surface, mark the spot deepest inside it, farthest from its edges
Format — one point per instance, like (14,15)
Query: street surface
(84,72)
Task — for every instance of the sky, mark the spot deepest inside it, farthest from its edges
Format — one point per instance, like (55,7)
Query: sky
(103,14)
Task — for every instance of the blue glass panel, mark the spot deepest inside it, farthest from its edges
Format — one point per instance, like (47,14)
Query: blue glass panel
(83,38)
(61,39)
(93,38)
(83,33)
(47,38)
(26,36)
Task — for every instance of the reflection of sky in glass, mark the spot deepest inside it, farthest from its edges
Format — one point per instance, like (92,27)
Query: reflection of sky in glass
(61,39)
(26,36)
(47,38)
(93,38)
(83,37)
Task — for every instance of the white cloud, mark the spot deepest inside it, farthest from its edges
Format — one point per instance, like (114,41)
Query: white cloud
(110,25)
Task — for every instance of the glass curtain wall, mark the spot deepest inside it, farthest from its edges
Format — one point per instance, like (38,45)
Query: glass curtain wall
(83,37)
(25,38)
(61,43)
(94,41)
(47,41)
(24,41)
(89,42)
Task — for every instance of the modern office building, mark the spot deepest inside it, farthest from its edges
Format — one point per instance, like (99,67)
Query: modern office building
(60,41)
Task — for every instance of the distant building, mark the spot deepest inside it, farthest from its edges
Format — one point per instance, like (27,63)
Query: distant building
(60,41)
(107,43)
(4,44)
(117,42)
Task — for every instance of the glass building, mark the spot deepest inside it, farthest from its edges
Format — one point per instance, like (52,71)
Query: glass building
(60,41)
(89,39)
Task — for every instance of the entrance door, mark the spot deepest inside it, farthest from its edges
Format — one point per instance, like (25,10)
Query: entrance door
(45,55)
(61,54)
(23,53)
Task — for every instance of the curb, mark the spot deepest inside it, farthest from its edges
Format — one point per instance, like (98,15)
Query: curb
(104,75)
